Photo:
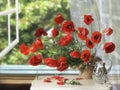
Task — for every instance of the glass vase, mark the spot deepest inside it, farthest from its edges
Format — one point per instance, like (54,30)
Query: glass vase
(101,70)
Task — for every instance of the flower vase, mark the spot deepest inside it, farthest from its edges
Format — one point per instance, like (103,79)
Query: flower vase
(86,73)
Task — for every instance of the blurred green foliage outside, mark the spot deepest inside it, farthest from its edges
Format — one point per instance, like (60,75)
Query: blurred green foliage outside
(32,14)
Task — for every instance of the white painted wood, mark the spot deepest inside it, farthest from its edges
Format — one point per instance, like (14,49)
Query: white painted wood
(44,70)
(14,42)
(9,34)
(8,48)
(4,13)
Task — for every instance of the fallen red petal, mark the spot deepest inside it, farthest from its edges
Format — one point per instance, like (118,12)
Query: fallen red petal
(60,83)
(47,80)
(79,78)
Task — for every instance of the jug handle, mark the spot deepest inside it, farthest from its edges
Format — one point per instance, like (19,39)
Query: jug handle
(110,66)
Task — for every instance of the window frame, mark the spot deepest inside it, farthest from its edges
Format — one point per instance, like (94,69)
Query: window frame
(8,12)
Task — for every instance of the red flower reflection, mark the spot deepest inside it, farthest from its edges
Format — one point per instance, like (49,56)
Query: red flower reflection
(58,19)
(88,19)
(85,55)
(35,60)
(109,47)
(96,37)
(68,27)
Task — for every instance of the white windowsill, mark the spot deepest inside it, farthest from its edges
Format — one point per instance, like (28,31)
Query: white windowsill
(42,69)
(24,74)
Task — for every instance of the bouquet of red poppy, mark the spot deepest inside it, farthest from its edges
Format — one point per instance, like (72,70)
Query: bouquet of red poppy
(67,46)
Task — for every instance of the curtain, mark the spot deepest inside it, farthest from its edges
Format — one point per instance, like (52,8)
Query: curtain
(109,13)
(106,13)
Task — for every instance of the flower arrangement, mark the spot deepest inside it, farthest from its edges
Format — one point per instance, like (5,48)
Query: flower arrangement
(67,46)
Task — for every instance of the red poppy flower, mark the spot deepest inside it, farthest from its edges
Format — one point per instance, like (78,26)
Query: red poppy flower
(62,59)
(39,44)
(82,37)
(65,40)
(35,60)
(85,55)
(40,32)
(109,47)
(62,66)
(62,63)
(88,19)
(78,78)
(89,43)
(36,45)
(45,33)
(58,19)
(51,62)
(96,37)
(75,54)
(108,31)
(82,33)
(54,32)
(33,48)
(24,49)
(68,27)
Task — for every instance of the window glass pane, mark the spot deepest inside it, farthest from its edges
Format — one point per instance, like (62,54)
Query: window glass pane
(116,37)
(115,7)
(3,5)
(3,25)
(13,26)
(105,9)
(3,32)
(110,18)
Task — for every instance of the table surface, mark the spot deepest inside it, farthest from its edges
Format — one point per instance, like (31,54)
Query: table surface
(86,84)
